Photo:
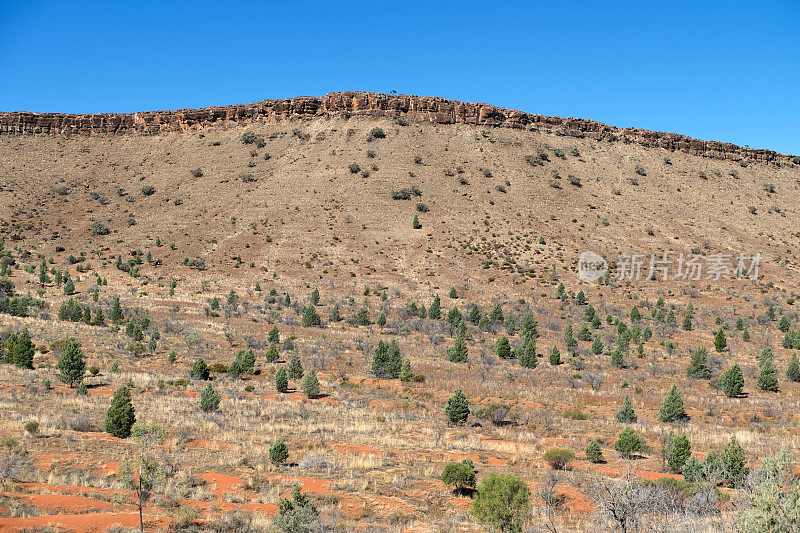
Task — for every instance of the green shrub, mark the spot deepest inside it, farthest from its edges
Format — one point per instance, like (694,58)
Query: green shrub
(32,427)
(559,458)
(630,443)
(502,502)
(459,475)
(278,452)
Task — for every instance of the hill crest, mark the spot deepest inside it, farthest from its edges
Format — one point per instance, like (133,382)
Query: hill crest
(425,109)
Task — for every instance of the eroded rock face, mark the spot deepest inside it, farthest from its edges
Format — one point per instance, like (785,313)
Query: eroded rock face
(413,108)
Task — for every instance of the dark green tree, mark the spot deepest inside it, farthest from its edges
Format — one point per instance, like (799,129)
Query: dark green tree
(527,352)
(281,380)
(503,348)
(767,375)
(555,356)
(387,360)
(734,463)
(117,316)
(199,369)
(310,385)
(209,399)
(21,349)
(435,310)
(310,317)
(272,354)
(720,342)
(457,409)
(594,453)
(71,363)
(334,316)
(315,297)
(793,371)
(677,452)
(278,452)
(295,368)
(626,413)
(672,407)
(732,381)
(597,345)
(121,415)
(274,336)
(297,515)
(362,317)
(698,365)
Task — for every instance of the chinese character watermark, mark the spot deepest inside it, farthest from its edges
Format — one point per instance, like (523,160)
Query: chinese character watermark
(666,266)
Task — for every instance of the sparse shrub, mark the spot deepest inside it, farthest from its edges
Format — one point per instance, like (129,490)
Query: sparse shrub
(559,458)
(98,229)
(375,133)
(354,168)
(196,172)
(640,170)
(32,427)
(148,190)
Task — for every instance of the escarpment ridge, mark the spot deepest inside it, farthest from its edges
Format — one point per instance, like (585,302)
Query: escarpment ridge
(422,109)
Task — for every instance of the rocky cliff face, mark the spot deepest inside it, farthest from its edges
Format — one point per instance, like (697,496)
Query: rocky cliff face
(345,104)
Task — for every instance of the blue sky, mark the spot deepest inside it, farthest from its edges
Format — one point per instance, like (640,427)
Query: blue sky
(726,71)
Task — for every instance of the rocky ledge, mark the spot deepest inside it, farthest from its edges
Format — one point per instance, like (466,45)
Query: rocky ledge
(346,104)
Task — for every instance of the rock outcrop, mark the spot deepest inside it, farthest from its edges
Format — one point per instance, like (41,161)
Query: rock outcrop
(346,104)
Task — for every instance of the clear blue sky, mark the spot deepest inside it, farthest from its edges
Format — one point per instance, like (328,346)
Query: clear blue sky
(714,70)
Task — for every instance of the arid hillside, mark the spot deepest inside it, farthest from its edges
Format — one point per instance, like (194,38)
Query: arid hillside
(327,227)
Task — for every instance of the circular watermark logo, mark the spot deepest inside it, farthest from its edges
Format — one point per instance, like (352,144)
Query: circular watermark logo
(591,267)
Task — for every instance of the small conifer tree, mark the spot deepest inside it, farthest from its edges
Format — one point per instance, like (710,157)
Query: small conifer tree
(209,399)
(310,385)
(71,363)
(457,409)
(281,380)
(626,413)
(672,406)
(121,415)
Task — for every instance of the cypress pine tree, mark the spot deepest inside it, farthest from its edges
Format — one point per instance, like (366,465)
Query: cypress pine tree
(672,406)
(527,352)
(71,363)
(99,317)
(687,322)
(698,365)
(635,314)
(617,358)
(21,350)
(555,356)
(117,316)
(732,381)
(435,310)
(597,345)
(767,375)
(209,399)
(281,380)
(274,336)
(720,342)
(626,414)
(784,324)
(580,298)
(528,324)
(474,315)
(509,325)
(406,374)
(44,277)
(362,317)
(387,360)
(734,463)
(381,320)
(458,352)
(278,452)
(677,452)
(310,317)
(484,324)
(295,367)
(315,297)
(334,316)
(69,287)
(453,293)
(199,369)
(585,334)
(594,453)
(746,335)
(793,371)
(121,415)
(496,314)
(457,409)
(271,354)
(416,223)
(503,348)
(310,385)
